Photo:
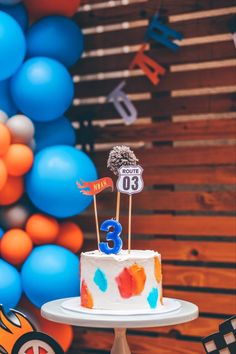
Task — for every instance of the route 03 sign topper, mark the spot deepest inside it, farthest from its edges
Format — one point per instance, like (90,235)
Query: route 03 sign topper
(130,179)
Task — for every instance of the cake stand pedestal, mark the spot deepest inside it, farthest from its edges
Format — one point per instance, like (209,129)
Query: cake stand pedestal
(55,312)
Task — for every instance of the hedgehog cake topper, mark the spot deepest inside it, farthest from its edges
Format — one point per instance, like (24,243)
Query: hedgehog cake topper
(121,156)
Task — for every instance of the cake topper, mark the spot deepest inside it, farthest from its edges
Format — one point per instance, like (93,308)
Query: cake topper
(120,156)
(94,188)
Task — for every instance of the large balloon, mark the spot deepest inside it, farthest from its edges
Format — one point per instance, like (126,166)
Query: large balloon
(12,46)
(42,40)
(41,8)
(51,183)
(21,128)
(18,12)
(14,216)
(10,285)
(6,102)
(57,276)
(57,132)
(42,89)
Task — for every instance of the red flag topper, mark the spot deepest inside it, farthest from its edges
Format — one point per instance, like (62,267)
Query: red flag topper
(95,187)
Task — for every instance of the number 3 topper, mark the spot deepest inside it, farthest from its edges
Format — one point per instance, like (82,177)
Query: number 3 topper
(130,179)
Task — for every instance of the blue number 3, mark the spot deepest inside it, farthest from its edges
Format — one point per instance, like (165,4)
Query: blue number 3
(111,236)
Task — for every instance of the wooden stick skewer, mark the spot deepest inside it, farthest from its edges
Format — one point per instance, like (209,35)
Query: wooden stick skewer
(129,224)
(96,219)
(118,206)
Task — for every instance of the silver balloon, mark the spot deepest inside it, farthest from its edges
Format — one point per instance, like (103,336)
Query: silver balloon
(14,216)
(3,117)
(21,128)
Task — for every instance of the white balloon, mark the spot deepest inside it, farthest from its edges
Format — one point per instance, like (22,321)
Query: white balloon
(21,128)
(9,2)
(3,117)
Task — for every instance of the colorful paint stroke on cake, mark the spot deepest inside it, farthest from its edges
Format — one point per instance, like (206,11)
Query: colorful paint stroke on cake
(86,296)
(152,298)
(157,265)
(100,280)
(131,281)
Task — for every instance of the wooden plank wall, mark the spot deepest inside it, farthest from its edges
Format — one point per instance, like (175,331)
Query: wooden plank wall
(185,138)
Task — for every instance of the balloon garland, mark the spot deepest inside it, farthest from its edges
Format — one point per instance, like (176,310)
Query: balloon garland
(39,164)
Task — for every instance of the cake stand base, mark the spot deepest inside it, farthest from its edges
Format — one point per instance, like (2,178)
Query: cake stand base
(120,345)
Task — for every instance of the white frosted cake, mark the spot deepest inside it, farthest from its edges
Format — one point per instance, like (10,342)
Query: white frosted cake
(123,281)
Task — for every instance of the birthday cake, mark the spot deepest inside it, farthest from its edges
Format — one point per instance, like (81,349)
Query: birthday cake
(123,281)
(113,278)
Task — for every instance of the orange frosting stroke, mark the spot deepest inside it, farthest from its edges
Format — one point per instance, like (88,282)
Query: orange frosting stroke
(157,265)
(86,296)
(139,279)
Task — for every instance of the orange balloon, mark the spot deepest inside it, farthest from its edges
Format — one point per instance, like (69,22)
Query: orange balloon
(70,236)
(18,159)
(5,139)
(16,246)
(38,9)
(62,333)
(42,229)
(3,174)
(12,190)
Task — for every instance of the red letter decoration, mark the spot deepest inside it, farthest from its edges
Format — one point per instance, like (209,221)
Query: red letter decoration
(161,33)
(123,104)
(150,68)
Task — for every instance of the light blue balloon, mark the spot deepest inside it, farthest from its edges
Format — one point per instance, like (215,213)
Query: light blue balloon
(55,37)
(6,103)
(12,46)
(51,183)
(57,132)
(42,89)
(50,272)
(18,12)
(10,285)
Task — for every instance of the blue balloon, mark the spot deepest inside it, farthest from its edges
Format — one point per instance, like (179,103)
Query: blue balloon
(10,285)
(57,132)
(19,13)
(55,37)
(6,102)
(50,272)
(2,232)
(12,46)
(42,89)
(51,183)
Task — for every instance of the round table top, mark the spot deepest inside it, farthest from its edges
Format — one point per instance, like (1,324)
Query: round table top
(54,311)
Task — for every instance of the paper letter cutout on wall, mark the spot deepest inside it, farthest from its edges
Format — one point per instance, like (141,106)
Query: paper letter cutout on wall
(150,68)
(123,104)
(162,33)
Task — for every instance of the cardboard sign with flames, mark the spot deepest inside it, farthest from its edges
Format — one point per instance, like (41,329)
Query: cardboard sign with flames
(20,337)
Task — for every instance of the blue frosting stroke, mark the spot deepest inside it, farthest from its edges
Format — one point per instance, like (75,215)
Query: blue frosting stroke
(100,280)
(152,298)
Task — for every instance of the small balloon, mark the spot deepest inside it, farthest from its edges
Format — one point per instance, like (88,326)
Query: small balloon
(5,139)
(2,232)
(21,128)
(12,190)
(10,285)
(14,216)
(18,12)
(42,229)
(16,246)
(3,117)
(18,160)
(3,174)
(70,236)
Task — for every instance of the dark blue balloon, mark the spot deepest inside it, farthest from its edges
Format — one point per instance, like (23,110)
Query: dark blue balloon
(10,285)
(50,272)
(1,233)
(42,89)
(57,132)
(6,102)
(55,37)
(12,46)
(18,12)
(51,183)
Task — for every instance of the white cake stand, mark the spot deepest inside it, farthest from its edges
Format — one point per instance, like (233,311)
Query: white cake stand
(54,311)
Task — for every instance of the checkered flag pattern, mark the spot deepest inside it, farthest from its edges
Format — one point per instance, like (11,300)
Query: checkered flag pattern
(224,341)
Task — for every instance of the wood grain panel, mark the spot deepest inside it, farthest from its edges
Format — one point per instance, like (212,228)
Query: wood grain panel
(199,276)
(173,201)
(133,36)
(103,341)
(161,106)
(168,131)
(135,12)
(187,54)
(181,250)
